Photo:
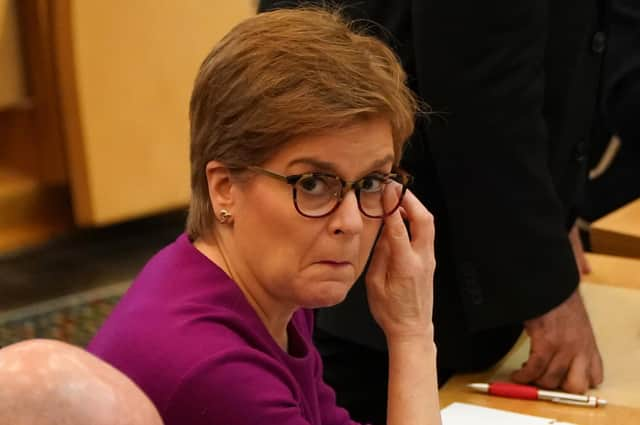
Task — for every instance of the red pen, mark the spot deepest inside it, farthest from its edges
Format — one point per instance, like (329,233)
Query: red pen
(528,392)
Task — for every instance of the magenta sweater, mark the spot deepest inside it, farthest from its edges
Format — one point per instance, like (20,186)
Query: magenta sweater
(187,336)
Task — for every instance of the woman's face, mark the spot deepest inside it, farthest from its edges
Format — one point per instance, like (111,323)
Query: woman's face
(301,261)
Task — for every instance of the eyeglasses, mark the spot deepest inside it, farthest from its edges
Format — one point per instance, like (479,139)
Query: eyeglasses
(317,195)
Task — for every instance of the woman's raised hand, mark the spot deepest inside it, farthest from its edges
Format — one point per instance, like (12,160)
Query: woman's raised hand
(400,292)
(400,276)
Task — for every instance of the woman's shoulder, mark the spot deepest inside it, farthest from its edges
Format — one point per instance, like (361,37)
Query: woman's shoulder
(179,261)
(176,282)
(165,355)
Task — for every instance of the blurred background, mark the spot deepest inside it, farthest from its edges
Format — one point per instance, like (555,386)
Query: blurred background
(94,169)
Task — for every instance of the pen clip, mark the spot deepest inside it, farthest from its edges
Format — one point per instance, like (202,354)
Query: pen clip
(591,401)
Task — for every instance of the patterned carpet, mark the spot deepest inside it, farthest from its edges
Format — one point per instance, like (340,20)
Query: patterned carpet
(74,318)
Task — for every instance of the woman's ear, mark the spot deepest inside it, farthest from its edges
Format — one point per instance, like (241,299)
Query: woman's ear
(220,186)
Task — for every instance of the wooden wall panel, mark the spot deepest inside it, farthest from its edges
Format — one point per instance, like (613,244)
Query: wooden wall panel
(36,22)
(12,90)
(126,72)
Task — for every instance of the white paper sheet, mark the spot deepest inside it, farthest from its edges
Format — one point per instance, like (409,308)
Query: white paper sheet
(470,414)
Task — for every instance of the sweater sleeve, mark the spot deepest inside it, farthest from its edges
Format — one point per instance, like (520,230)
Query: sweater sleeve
(236,387)
(245,387)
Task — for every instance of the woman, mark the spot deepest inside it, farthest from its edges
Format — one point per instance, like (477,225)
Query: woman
(297,124)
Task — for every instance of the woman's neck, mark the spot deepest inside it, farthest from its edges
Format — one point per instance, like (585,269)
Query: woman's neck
(274,314)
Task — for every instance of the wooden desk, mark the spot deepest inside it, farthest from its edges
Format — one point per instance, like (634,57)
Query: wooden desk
(618,233)
(619,273)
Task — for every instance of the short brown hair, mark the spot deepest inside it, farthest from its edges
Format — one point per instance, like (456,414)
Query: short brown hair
(283,74)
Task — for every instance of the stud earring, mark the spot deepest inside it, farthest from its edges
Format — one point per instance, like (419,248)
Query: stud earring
(225,216)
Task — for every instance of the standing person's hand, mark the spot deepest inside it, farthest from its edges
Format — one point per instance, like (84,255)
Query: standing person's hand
(564,353)
(578,251)
(400,276)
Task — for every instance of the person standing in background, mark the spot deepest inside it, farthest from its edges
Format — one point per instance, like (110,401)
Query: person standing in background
(502,166)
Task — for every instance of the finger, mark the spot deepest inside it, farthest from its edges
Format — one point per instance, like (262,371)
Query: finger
(585,267)
(420,222)
(535,367)
(577,380)
(578,251)
(379,263)
(596,369)
(556,371)
(581,260)
(403,213)
(395,231)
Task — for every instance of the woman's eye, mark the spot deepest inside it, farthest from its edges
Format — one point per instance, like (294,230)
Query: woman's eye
(372,184)
(313,185)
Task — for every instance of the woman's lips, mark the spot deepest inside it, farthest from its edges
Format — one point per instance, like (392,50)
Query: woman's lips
(335,263)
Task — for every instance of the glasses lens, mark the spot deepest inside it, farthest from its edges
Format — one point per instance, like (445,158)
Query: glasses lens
(374,190)
(316,195)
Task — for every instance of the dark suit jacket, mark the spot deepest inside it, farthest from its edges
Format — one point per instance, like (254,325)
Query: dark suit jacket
(618,185)
(501,165)
(622,71)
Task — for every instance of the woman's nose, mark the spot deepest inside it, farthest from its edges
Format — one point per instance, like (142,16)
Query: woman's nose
(347,218)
